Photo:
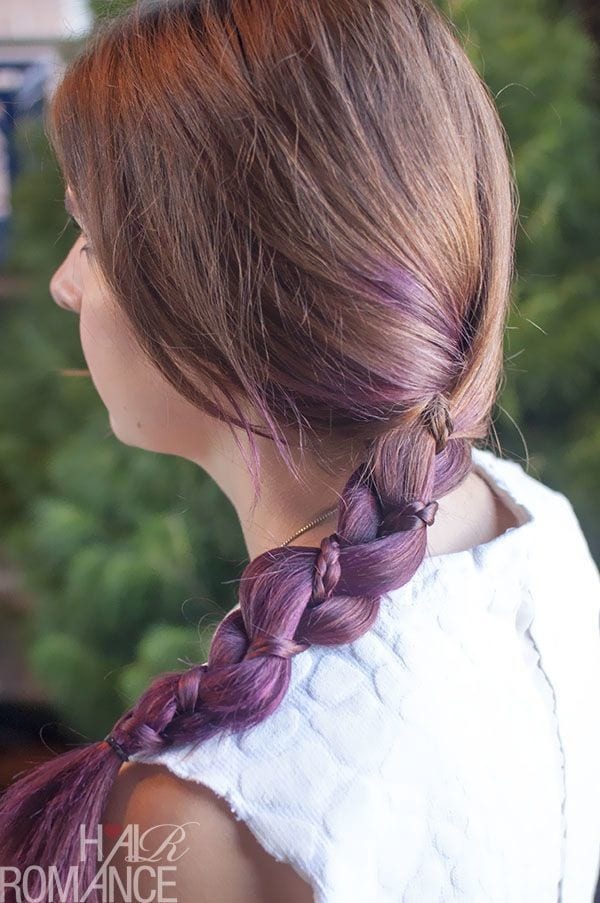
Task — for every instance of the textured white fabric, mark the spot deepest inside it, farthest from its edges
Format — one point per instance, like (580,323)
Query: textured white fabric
(451,753)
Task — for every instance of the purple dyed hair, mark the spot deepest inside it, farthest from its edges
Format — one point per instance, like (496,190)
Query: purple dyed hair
(347,179)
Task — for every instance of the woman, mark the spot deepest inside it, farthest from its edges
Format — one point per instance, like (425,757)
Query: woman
(294,270)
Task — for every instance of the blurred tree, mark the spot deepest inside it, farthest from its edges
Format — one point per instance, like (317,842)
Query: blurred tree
(107,8)
(553,365)
(129,573)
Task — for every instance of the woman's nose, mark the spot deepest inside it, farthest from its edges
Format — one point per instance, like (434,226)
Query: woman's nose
(64,286)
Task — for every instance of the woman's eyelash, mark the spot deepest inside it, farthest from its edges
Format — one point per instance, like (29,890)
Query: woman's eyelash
(74,222)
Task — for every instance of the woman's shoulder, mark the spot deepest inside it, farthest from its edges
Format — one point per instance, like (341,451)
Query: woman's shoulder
(550,529)
(521,481)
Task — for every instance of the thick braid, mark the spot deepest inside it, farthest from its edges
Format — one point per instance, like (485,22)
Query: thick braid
(379,543)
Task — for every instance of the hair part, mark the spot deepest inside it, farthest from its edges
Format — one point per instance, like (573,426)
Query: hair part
(255,179)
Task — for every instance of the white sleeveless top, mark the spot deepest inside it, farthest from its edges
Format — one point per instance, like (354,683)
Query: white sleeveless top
(453,751)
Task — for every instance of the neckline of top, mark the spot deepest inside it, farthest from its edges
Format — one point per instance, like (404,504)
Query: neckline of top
(495,471)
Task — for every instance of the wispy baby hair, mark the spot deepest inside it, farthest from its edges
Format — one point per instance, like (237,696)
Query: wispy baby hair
(258,178)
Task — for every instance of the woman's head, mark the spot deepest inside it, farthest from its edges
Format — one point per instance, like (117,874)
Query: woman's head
(302,215)
(301,222)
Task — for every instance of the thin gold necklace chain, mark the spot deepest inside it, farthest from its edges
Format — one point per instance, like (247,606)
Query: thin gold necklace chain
(313,523)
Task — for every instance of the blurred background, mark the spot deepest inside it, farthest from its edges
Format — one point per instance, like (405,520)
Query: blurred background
(108,572)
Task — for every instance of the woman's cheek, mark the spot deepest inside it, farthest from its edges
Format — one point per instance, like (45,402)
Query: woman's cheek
(144,409)
(103,352)
(133,394)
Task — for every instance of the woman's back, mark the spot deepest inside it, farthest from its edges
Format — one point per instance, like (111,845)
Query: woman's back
(448,753)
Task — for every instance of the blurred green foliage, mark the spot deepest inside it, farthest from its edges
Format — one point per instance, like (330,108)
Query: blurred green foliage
(540,65)
(132,558)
